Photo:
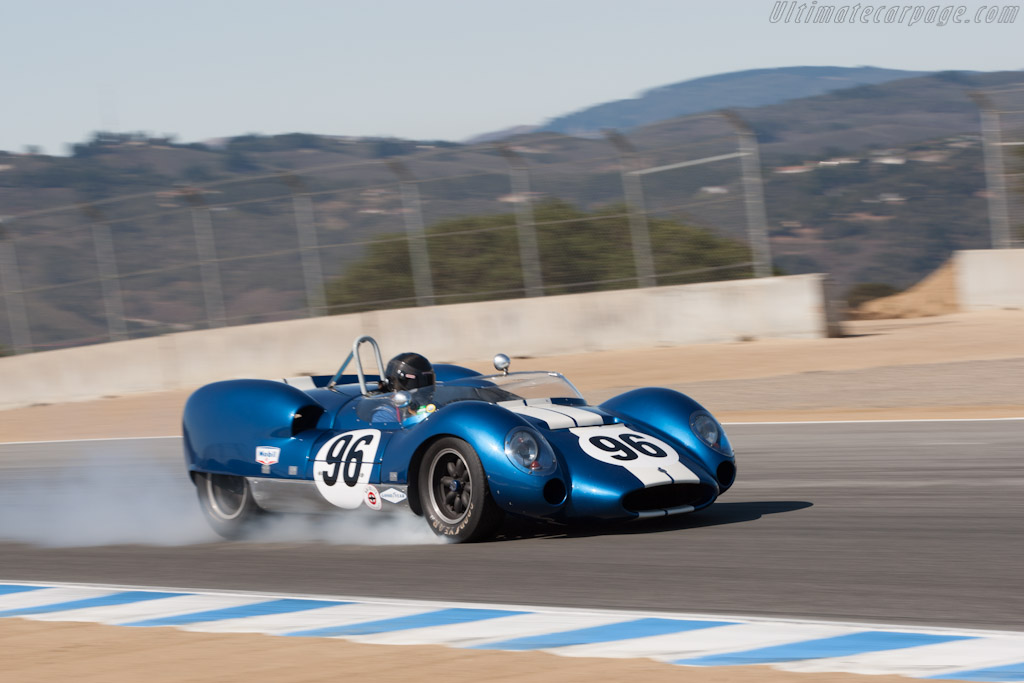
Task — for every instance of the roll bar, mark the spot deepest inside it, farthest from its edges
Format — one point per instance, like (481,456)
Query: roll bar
(354,353)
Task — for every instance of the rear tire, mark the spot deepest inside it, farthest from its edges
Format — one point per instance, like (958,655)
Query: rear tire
(227,504)
(454,494)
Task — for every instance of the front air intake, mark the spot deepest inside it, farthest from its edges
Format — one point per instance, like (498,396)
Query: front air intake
(726,474)
(668,496)
(554,492)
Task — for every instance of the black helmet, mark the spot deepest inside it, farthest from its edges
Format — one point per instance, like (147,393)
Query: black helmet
(409,371)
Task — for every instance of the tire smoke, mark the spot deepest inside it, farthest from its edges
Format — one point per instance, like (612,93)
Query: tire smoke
(137,491)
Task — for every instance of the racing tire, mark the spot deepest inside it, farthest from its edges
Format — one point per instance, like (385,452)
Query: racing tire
(454,495)
(227,504)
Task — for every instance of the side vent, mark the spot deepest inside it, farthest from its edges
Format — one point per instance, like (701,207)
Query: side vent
(305,418)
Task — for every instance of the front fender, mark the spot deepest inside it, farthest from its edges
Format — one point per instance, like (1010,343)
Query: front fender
(484,427)
(669,412)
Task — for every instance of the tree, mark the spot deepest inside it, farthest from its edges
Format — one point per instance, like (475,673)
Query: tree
(476,258)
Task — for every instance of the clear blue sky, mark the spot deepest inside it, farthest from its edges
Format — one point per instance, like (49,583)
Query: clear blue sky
(409,68)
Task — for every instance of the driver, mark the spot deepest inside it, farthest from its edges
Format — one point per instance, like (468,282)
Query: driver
(409,371)
(413,373)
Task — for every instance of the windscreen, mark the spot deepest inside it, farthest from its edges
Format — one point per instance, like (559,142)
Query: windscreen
(520,385)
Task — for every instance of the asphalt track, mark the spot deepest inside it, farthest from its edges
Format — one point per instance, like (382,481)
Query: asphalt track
(900,522)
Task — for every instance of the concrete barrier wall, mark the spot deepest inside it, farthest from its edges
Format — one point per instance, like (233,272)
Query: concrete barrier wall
(794,306)
(990,279)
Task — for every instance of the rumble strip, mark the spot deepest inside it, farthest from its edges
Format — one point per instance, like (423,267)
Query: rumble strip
(684,639)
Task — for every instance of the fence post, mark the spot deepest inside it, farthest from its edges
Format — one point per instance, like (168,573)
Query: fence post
(753,195)
(992,144)
(106,264)
(529,253)
(309,250)
(632,186)
(419,257)
(209,270)
(14,297)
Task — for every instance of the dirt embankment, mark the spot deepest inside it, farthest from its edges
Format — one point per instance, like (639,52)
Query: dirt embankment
(934,295)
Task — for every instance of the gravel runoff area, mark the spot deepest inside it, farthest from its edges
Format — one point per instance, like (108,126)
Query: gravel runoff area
(952,366)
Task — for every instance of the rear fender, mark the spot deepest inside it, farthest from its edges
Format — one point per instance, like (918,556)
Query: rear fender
(225,423)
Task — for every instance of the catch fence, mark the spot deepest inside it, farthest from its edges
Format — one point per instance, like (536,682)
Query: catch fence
(538,216)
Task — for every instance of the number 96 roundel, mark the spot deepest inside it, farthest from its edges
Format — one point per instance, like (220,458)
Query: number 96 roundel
(343,465)
(647,458)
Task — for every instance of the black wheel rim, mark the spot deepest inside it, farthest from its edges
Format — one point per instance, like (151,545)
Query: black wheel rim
(227,495)
(451,486)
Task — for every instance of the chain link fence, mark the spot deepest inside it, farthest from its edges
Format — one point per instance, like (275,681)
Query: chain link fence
(672,203)
(548,215)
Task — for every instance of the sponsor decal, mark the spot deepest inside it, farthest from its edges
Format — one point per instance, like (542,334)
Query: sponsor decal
(292,470)
(372,497)
(393,496)
(267,455)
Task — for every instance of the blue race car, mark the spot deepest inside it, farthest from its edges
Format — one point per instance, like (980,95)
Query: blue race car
(457,447)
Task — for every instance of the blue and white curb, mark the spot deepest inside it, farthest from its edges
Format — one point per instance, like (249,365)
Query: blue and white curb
(684,639)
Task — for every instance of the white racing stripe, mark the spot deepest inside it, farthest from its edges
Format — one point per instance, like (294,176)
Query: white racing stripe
(649,459)
(303,383)
(582,418)
(553,420)
(555,416)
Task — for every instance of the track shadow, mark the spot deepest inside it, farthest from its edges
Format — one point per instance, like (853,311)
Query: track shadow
(717,514)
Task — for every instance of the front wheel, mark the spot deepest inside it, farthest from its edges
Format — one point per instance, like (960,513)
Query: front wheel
(454,494)
(227,503)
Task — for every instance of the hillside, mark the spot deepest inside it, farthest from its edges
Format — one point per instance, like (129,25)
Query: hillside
(753,88)
(897,113)
(901,186)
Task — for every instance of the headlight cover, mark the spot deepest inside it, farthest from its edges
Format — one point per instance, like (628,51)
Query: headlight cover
(709,431)
(529,452)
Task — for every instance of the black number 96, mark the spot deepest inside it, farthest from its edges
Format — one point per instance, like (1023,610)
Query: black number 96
(627,446)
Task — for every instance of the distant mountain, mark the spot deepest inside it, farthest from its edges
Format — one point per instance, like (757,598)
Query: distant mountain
(753,88)
(890,114)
